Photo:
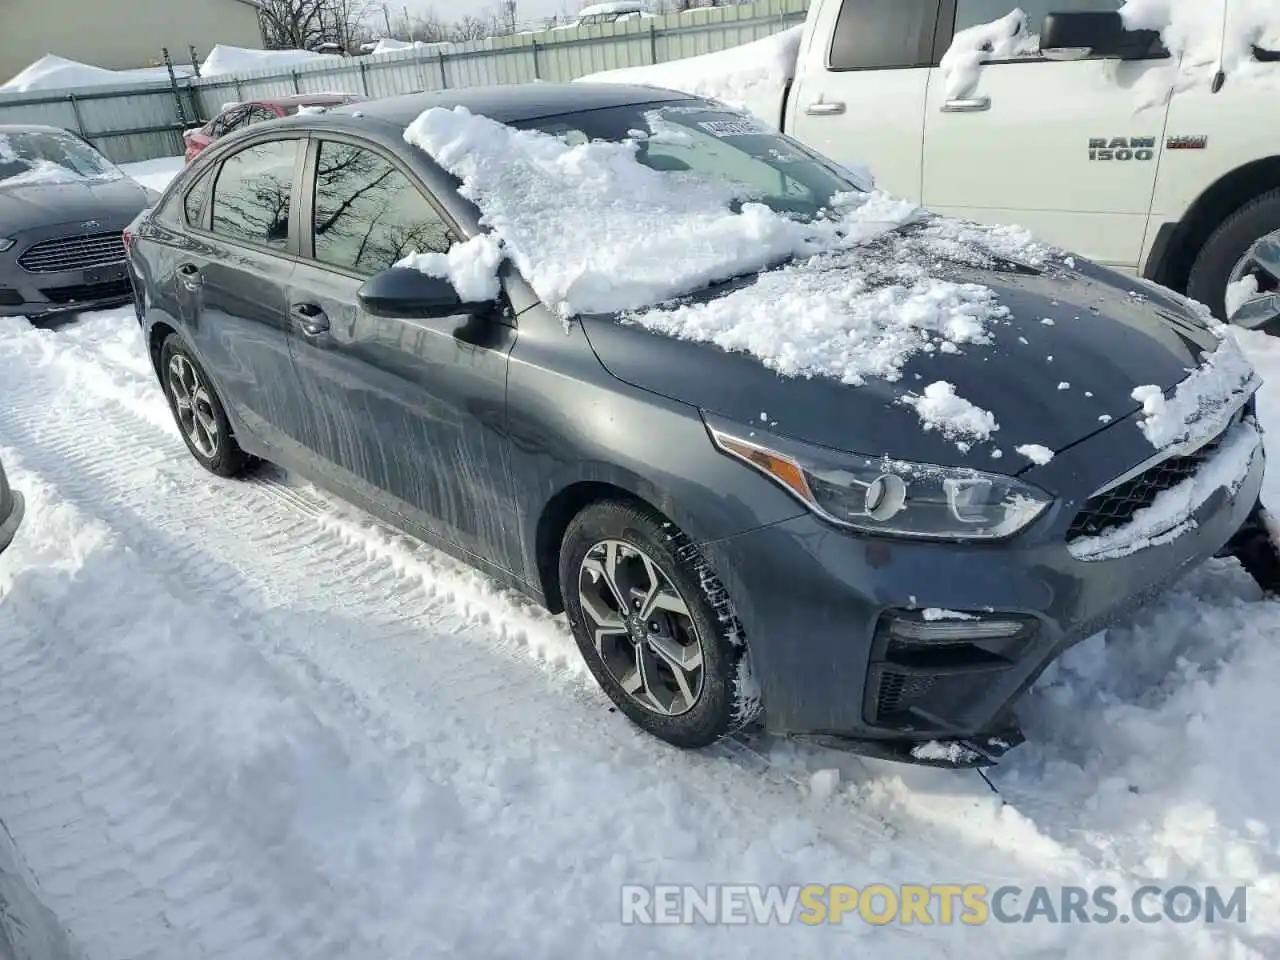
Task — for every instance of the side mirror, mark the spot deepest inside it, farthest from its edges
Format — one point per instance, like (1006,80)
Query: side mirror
(1095,33)
(406,292)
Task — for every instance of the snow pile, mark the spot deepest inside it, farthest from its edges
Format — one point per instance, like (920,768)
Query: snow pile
(52,72)
(952,416)
(1201,404)
(613,6)
(595,231)
(223,59)
(1036,453)
(749,77)
(1170,514)
(389,45)
(1240,292)
(1000,39)
(470,267)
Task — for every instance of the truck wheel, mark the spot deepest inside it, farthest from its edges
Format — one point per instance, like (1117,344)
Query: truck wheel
(654,625)
(1245,245)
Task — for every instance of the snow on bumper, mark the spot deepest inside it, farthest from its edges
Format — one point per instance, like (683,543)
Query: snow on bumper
(1173,512)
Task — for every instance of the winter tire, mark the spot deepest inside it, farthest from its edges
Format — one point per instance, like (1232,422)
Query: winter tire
(1247,243)
(654,625)
(198,412)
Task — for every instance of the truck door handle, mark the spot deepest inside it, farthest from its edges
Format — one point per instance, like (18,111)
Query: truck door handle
(308,318)
(967,105)
(822,109)
(189,275)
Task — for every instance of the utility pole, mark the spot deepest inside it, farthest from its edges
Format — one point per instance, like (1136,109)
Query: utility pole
(386,17)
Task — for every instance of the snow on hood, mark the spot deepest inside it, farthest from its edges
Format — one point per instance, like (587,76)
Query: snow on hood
(595,231)
(1201,404)
(749,77)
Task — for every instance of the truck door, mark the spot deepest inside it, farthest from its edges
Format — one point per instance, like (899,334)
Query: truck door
(860,87)
(1060,147)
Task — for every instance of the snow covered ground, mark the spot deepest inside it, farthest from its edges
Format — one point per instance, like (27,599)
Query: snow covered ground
(240,719)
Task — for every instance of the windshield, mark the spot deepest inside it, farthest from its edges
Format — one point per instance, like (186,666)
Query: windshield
(37,156)
(705,142)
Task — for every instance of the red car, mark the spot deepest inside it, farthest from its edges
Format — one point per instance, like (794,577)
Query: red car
(239,115)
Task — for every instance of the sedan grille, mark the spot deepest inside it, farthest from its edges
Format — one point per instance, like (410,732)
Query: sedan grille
(1116,507)
(73,253)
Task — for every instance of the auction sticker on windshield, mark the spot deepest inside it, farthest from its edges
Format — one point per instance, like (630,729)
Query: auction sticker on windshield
(740,127)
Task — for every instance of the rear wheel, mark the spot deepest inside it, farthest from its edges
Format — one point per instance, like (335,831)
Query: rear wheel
(199,413)
(654,625)
(1238,270)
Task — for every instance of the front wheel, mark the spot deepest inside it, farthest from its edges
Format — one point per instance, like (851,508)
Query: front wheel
(1237,272)
(654,625)
(198,411)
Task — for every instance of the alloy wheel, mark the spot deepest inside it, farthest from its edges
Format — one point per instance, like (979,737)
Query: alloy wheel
(641,628)
(1258,302)
(194,406)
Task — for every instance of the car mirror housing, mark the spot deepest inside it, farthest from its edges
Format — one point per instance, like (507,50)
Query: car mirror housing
(1095,33)
(406,292)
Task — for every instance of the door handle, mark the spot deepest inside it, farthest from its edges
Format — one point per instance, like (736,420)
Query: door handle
(310,319)
(967,105)
(823,109)
(189,274)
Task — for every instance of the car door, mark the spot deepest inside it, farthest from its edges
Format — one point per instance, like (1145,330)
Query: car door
(1061,147)
(860,86)
(232,283)
(409,412)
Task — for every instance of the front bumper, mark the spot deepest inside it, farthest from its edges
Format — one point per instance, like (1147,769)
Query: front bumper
(813,601)
(37,294)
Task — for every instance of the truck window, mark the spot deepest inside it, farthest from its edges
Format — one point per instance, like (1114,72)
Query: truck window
(883,34)
(970,13)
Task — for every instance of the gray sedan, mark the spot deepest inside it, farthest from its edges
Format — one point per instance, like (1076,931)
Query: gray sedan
(63,210)
(11,508)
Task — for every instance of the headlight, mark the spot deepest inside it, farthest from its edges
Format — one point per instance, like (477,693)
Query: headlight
(5,243)
(886,496)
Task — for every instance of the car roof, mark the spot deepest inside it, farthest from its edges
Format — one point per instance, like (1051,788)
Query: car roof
(510,103)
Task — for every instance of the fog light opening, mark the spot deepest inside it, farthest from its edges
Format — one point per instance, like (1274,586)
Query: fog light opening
(953,631)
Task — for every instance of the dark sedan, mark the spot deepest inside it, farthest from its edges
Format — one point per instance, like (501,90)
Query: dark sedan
(63,207)
(11,508)
(731,531)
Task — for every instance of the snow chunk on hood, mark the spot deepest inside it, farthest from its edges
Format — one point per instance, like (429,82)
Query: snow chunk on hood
(595,231)
(1036,453)
(471,267)
(955,417)
(1202,403)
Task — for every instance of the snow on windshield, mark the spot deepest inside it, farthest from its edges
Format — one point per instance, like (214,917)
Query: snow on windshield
(35,157)
(593,230)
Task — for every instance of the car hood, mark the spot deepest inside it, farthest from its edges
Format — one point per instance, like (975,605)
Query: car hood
(1060,367)
(111,202)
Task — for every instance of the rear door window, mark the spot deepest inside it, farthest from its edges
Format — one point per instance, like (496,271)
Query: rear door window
(883,34)
(253,192)
(368,214)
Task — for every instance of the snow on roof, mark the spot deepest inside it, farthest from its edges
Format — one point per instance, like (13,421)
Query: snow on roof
(613,6)
(749,77)
(223,59)
(595,231)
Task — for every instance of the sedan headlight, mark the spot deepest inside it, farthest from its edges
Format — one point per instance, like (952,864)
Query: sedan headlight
(886,496)
(5,243)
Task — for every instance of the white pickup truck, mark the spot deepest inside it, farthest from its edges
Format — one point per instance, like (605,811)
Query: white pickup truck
(1057,131)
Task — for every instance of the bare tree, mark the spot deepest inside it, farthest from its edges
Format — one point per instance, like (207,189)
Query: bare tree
(305,24)
(468,28)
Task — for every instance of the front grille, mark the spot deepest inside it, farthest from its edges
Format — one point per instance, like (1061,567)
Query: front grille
(87,292)
(1116,506)
(73,253)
